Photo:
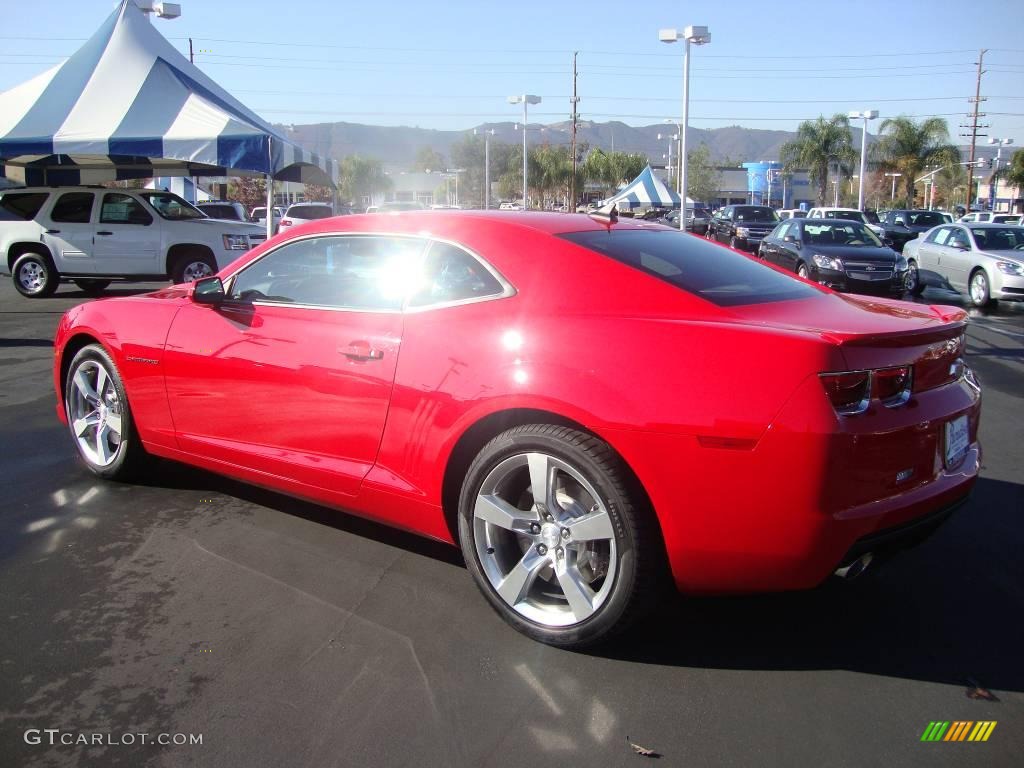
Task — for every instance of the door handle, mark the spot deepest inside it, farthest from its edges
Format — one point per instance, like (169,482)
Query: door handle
(104,232)
(361,350)
(53,231)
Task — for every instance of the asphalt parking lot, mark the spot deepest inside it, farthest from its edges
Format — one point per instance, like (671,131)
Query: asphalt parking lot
(287,634)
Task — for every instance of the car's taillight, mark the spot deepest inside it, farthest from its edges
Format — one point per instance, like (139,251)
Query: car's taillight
(892,385)
(851,392)
(285,223)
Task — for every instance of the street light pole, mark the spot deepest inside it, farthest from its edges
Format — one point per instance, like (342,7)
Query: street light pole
(526,99)
(867,114)
(671,138)
(698,35)
(895,176)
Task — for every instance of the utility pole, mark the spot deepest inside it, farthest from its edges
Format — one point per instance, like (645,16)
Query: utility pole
(575,100)
(191,55)
(974,126)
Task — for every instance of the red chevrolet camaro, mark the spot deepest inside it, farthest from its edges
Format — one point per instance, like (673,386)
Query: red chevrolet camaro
(584,405)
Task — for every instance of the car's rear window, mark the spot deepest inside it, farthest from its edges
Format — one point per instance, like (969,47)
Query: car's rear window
(310,211)
(21,205)
(698,266)
(218,211)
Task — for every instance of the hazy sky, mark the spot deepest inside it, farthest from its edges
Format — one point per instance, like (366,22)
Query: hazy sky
(451,64)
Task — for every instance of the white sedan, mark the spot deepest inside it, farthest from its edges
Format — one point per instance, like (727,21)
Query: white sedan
(985,261)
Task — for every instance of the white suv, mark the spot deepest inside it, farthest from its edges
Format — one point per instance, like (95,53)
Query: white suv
(91,236)
(852,214)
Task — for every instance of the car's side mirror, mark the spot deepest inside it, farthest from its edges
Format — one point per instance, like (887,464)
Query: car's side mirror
(208,290)
(789,239)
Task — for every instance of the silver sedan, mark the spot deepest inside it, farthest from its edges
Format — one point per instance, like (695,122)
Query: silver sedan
(985,261)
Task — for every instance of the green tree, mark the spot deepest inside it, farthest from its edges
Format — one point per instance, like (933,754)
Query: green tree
(250,191)
(907,147)
(428,160)
(361,177)
(613,169)
(1013,174)
(703,179)
(818,145)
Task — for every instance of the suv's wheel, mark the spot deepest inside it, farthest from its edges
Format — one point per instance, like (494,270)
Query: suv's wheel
(979,290)
(35,276)
(191,267)
(734,243)
(99,416)
(554,536)
(92,287)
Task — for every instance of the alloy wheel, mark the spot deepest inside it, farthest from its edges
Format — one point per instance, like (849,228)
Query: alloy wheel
(32,276)
(94,413)
(544,539)
(979,288)
(196,270)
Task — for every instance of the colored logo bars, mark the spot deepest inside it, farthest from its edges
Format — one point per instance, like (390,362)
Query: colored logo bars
(959,730)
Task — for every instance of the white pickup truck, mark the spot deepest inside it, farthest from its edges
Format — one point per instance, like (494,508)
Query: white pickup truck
(92,236)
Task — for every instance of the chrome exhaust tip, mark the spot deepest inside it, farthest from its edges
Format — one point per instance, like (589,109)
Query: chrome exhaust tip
(856,568)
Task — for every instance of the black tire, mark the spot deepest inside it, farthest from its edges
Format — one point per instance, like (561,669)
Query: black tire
(734,243)
(978,289)
(35,276)
(803,271)
(127,454)
(92,287)
(914,285)
(634,552)
(187,267)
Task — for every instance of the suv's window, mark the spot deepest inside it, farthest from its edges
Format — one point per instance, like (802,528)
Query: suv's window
(310,211)
(926,219)
(451,274)
(695,265)
(755,213)
(123,209)
(21,205)
(170,206)
(351,272)
(73,208)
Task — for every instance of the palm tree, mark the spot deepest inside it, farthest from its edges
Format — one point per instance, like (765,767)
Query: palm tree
(907,147)
(818,145)
(1013,174)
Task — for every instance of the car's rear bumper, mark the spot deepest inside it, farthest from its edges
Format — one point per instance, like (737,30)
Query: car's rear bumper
(784,513)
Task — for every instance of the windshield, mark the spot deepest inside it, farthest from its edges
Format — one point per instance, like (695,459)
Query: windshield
(849,215)
(756,213)
(999,238)
(924,218)
(716,274)
(219,211)
(839,232)
(310,212)
(170,206)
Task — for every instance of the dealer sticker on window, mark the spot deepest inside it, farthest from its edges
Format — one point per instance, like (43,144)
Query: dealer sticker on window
(957,440)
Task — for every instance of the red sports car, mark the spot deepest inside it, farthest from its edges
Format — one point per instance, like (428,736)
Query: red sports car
(584,405)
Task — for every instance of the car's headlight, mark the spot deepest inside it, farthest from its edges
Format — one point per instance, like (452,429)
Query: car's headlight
(742,232)
(901,263)
(236,242)
(1010,268)
(827,262)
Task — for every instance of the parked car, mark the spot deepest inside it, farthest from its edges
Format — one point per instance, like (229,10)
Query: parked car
(92,236)
(259,216)
(697,219)
(225,210)
(300,213)
(989,217)
(902,225)
(509,207)
(502,426)
(742,226)
(984,261)
(843,254)
(791,213)
(850,214)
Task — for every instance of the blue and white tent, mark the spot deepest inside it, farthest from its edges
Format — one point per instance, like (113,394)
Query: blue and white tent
(127,105)
(645,191)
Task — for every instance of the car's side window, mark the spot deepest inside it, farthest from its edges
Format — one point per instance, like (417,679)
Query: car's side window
(123,209)
(959,239)
(21,206)
(73,208)
(369,273)
(939,236)
(451,274)
(784,230)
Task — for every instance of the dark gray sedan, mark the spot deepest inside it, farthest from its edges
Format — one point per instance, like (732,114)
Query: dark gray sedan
(841,254)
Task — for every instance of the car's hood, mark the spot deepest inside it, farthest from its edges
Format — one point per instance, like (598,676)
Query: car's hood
(235,226)
(844,317)
(1015,256)
(881,255)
